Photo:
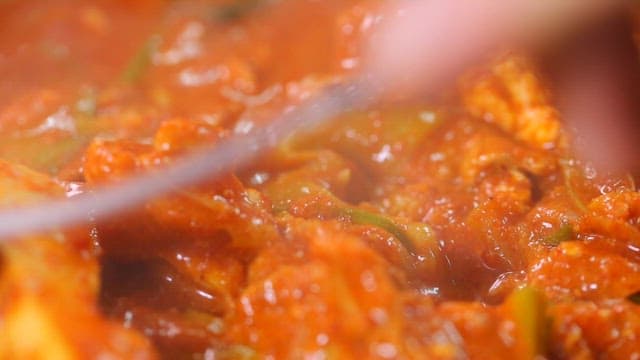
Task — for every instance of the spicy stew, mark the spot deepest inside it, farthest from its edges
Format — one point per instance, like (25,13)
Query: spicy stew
(461,228)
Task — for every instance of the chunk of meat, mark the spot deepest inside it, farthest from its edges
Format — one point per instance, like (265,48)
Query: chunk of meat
(48,288)
(585,271)
(486,149)
(587,330)
(216,209)
(513,97)
(336,299)
(613,219)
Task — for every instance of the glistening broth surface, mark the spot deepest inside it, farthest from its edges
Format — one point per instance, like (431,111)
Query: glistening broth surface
(450,230)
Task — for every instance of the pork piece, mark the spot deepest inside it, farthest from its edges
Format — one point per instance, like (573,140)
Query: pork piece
(511,95)
(48,287)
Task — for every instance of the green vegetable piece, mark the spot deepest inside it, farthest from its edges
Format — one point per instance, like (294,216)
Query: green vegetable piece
(417,238)
(397,132)
(567,174)
(236,352)
(141,60)
(527,307)
(423,239)
(235,10)
(28,151)
(564,233)
(19,185)
(362,217)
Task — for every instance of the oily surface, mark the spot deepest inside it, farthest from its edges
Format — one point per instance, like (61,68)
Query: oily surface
(453,229)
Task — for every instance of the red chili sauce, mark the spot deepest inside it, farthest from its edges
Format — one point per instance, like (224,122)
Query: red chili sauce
(451,229)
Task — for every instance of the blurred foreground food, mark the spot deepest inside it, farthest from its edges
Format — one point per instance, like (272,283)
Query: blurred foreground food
(462,228)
